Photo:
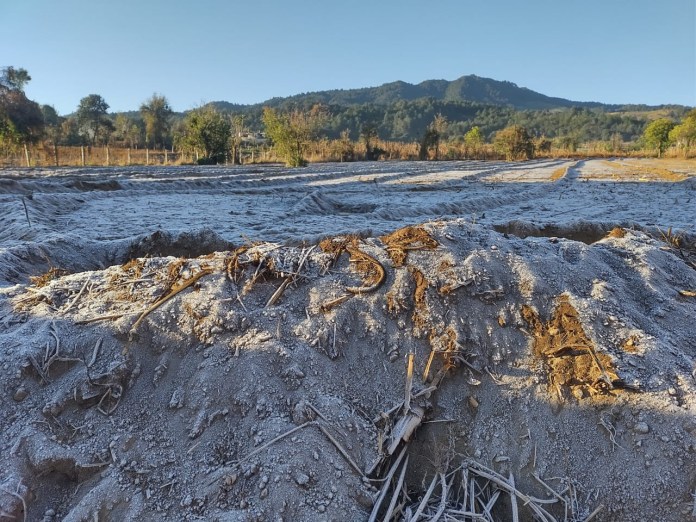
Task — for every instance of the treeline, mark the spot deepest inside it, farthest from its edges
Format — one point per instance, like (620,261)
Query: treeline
(424,128)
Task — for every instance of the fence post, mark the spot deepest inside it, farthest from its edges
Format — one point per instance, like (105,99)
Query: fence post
(26,154)
(129,158)
(166,157)
(55,154)
(82,154)
(107,156)
(147,156)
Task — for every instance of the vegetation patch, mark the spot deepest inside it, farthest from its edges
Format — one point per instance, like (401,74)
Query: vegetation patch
(574,366)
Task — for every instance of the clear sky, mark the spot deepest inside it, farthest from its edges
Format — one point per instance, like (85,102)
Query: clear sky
(612,51)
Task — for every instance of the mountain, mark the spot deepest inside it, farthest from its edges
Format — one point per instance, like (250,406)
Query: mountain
(469,88)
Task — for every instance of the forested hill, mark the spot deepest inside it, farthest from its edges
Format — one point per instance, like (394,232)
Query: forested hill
(469,88)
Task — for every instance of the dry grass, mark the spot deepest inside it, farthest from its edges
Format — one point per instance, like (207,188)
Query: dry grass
(654,171)
(43,279)
(559,173)
(405,239)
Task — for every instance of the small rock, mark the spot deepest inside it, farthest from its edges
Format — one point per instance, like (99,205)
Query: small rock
(641,427)
(301,479)
(20,394)
(264,493)
(50,513)
(188,500)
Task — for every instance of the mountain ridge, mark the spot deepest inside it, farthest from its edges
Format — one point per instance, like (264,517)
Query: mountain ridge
(467,88)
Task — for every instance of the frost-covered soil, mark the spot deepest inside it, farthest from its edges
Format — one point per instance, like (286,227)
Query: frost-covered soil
(561,292)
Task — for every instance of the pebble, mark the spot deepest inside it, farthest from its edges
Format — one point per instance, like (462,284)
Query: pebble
(301,479)
(264,493)
(641,427)
(20,394)
(50,513)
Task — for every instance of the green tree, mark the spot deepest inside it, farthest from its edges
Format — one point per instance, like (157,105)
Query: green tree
(156,114)
(21,119)
(473,141)
(52,123)
(684,134)
(514,142)
(13,79)
(127,131)
(92,119)
(206,133)
(473,138)
(293,132)
(656,135)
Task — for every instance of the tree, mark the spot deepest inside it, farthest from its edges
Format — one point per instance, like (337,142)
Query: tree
(52,123)
(684,134)
(21,120)
(344,147)
(127,131)
(12,79)
(368,135)
(656,135)
(92,119)
(473,139)
(206,133)
(432,136)
(514,142)
(156,113)
(293,132)
(237,122)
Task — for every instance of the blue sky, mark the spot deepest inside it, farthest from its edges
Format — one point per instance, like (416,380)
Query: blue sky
(613,51)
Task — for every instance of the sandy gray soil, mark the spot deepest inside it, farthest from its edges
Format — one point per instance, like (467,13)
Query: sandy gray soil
(180,344)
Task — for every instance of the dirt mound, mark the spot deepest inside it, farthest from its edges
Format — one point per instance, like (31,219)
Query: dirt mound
(184,244)
(473,374)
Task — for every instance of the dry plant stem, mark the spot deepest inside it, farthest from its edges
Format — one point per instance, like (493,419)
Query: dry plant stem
(443,499)
(271,442)
(397,491)
(279,292)
(341,450)
(95,353)
(409,382)
(605,376)
(426,372)
(548,488)
(596,512)
(424,501)
(77,297)
(491,475)
(180,288)
(100,318)
(329,305)
(387,479)
(513,500)
(381,274)
(26,210)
